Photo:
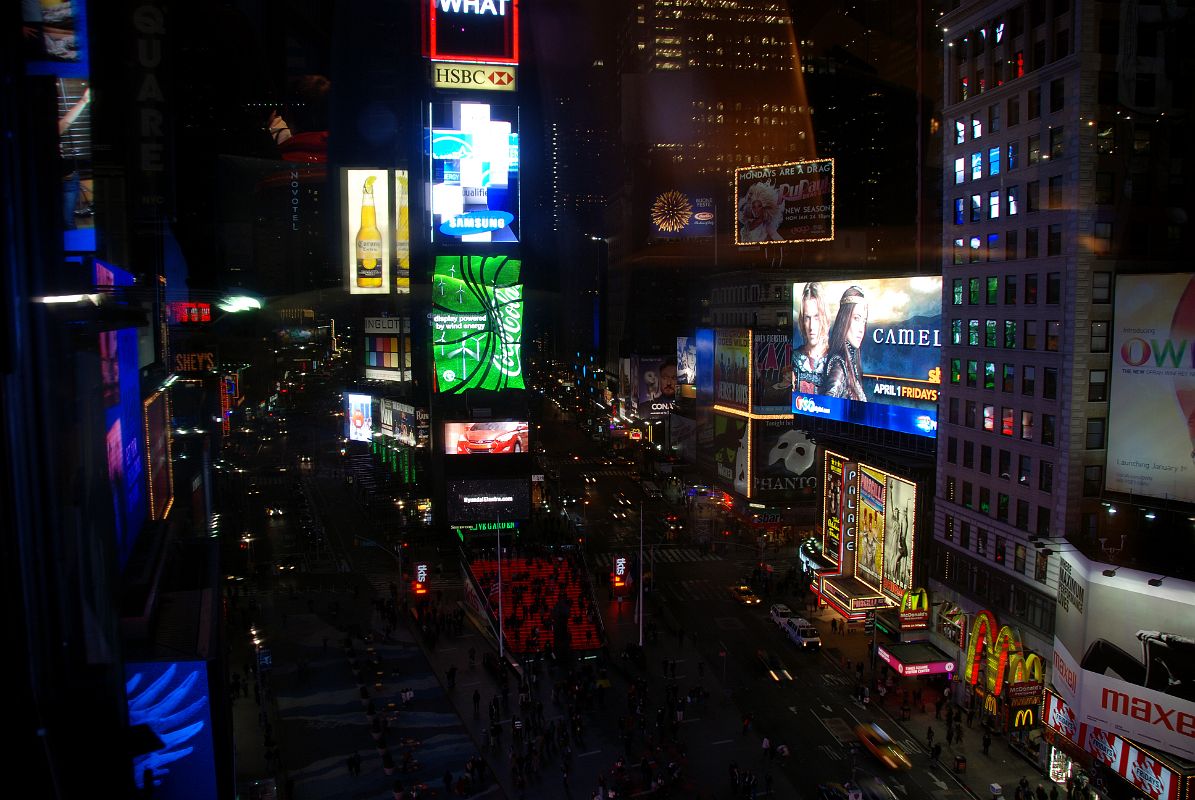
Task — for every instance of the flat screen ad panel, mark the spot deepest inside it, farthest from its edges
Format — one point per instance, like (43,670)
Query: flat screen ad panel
(868,352)
(899,526)
(387,348)
(1124,653)
(686,360)
(772,372)
(358,417)
(473,30)
(386,413)
(477,323)
(488,500)
(732,367)
(832,506)
(1153,387)
(873,504)
(731,452)
(787,203)
(681,215)
(402,231)
(492,437)
(655,394)
(367,235)
(173,699)
(159,467)
(786,464)
(474,154)
(412,426)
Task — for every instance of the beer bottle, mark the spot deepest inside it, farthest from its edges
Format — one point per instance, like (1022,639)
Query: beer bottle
(369,241)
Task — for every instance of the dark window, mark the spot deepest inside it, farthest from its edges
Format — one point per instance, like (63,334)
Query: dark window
(1014,111)
(1146,89)
(1010,253)
(972,373)
(1062,46)
(1054,191)
(968,490)
(1042,565)
(1024,469)
(1032,196)
(954,408)
(1095,434)
(1053,288)
(1002,506)
(1054,240)
(1109,37)
(1010,290)
(1147,39)
(969,455)
(1028,374)
(994,118)
(1030,335)
(1031,289)
(1009,378)
(1047,429)
(1022,521)
(1034,110)
(985,459)
(1045,478)
(1031,243)
(952,450)
(964,535)
(1057,142)
(1093,480)
(1097,385)
(1005,464)
(1101,287)
(1034,149)
(1057,93)
(1099,337)
(1105,188)
(970,414)
(1108,88)
(1053,334)
(1049,384)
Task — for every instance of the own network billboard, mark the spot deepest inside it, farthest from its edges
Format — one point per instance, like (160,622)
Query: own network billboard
(492,437)
(731,452)
(655,388)
(367,233)
(1150,432)
(157,458)
(791,202)
(785,460)
(472,30)
(410,426)
(358,417)
(477,323)
(387,348)
(732,368)
(488,500)
(772,372)
(1124,653)
(172,699)
(120,381)
(686,360)
(681,215)
(868,352)
(474,154)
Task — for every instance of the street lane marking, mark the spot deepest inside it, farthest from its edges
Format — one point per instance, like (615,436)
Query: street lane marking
(590,753)
(723,741)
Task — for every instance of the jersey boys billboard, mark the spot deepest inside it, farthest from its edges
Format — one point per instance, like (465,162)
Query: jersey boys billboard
(732,368)
(785,203)
(477,323)
(1151,414)
(868,352)
(474,154)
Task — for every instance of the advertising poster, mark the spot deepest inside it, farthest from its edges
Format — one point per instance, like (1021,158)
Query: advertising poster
(1151,777)
(477,323)
(402,231)
(624,385)
(900,522)
(1124,653)
(493,500)
(832,506)
(160,470)
(732,368)
(173,699)
(873,499)
(686,360)
(772,372)
(792,202)
(472,30)
(656,381)
(387,348)
(475,172)
(492,437)
(386,412)
(786,464)
(731,451)
(120,383)
(1152,396)
(358,417)
(366,234)
(869,352)
(681,215)
(412,426)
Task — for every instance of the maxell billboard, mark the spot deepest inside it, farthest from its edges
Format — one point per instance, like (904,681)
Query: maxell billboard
(1124,653)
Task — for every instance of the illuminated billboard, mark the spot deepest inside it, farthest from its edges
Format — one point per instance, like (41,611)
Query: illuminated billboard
(1152,399)
(772,372)
(159,469)
(686,360)
(387,348)
(402,232)
(480,77)
(485,31)
(869,548)
(731,451)
(488,500)
(173,699)
(833,489)
(358,417)
(732,367)
(1124,652)
(185,312)
(120,382)
(681,215)
(366,232)
(477,323)
(492,437)
(785,463)
(886,506)
(473,149)
(654,385)
(868,352)
(785,203)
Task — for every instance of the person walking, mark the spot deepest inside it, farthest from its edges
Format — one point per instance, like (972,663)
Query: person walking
(476,704)
(987,741)
(949,735)
(958,735)
(929,736)
(936,753)
(766,746)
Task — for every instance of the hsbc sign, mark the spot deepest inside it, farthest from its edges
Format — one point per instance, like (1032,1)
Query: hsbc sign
(463,75)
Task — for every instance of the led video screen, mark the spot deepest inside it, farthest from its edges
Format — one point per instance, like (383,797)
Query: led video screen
(477,323)
(498,499)
(358,417)
(172,698)
(681,215)
(473,150)
(492,437)
(868,352)
(686,360)
(785,203)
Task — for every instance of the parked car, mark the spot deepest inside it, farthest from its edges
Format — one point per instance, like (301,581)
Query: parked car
(780,613)
(802,633)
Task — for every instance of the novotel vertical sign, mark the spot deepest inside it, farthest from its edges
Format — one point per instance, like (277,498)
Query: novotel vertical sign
(485,31)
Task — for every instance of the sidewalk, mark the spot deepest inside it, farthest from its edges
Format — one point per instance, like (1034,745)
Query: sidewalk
(1001,765)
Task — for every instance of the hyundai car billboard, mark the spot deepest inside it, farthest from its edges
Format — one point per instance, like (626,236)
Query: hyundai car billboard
(869,352)
(1124,653)
(492,437)
(474,157)
(1152,400)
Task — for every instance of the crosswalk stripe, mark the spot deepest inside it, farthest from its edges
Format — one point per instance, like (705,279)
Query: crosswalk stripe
(667,555)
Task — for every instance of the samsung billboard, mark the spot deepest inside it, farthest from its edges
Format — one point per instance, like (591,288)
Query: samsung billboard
(869,352)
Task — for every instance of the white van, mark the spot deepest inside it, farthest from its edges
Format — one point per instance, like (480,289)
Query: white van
(802,633)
